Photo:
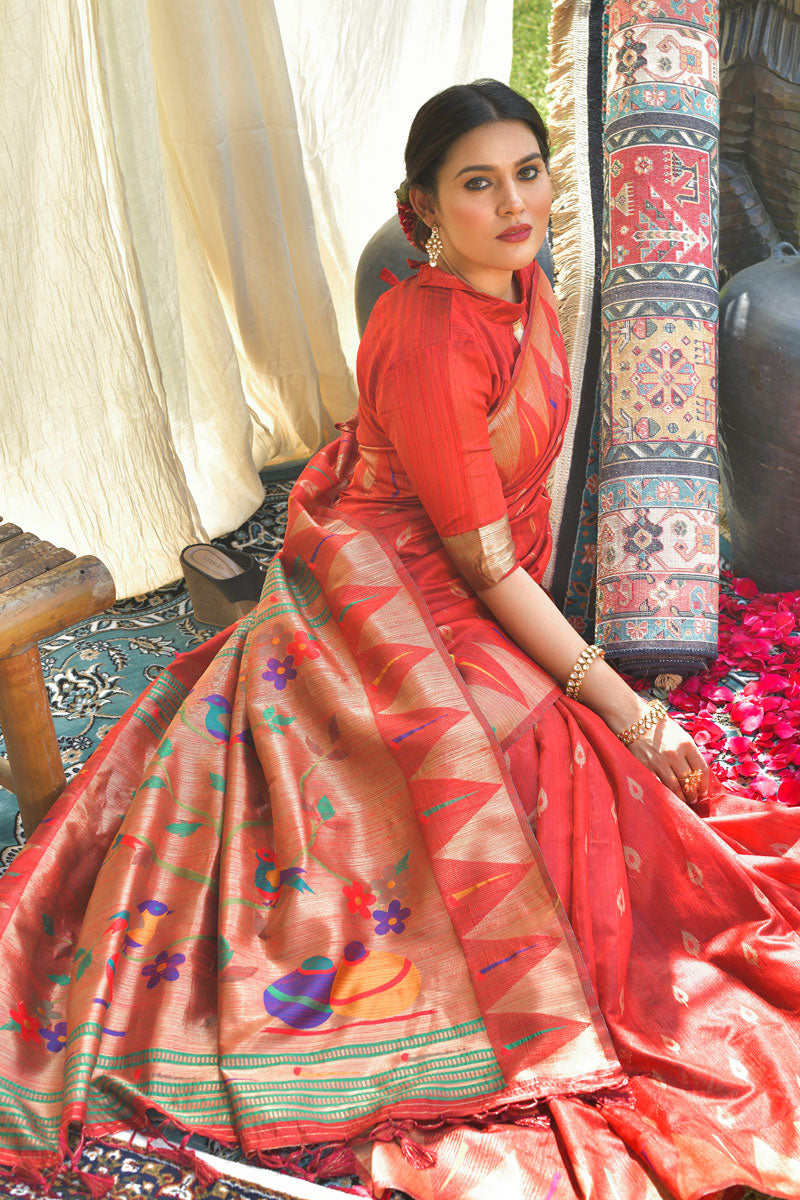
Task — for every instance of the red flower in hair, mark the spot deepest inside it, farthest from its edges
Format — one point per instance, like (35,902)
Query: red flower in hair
(408,218)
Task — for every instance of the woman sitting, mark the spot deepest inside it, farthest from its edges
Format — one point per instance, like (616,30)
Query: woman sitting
(401,862)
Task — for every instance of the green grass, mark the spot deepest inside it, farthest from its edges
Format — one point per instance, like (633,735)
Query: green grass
(530,55)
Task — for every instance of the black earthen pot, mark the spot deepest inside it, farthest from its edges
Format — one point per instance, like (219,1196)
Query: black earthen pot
(390,248)
(759,418)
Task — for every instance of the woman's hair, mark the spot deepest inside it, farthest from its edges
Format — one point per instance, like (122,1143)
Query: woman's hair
(450,114)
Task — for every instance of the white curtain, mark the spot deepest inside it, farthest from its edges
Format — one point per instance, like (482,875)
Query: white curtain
(185,189)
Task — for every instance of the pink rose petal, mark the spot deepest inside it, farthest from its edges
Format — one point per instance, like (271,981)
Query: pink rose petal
(745,588)
(789,792)
(747,767)
(717,692)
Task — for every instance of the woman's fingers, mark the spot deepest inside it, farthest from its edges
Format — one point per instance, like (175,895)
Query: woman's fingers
(693,772)
(690,786)
(673,783)
(697,763)
(659,764)
(672,755)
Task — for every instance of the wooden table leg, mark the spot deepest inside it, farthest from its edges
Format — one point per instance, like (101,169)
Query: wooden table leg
(31,743)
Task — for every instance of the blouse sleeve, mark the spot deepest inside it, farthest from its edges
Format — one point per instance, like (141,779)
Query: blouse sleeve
(433,408)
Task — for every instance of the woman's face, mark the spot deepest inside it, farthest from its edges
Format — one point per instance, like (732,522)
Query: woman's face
(492,204)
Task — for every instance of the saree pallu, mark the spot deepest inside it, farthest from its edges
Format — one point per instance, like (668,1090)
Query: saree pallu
(281,906)
(297,898)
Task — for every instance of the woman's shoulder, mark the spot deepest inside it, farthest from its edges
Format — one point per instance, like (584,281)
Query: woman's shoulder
(412,316)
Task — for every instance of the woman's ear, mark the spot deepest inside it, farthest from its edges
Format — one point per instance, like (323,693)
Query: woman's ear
(423,205)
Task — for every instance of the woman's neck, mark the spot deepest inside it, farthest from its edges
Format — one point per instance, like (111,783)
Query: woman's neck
(511,291)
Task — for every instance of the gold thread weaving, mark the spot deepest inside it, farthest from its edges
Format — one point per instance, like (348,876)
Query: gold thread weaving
(485,555)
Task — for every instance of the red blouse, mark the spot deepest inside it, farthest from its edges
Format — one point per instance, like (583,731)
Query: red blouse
(436,357)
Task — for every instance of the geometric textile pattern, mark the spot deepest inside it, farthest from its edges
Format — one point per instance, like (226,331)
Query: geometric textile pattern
(657,542)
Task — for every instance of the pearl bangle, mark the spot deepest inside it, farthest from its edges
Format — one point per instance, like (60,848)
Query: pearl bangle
(582,664)
(655,713)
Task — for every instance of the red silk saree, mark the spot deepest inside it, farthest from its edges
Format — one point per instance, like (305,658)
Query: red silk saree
(357,871)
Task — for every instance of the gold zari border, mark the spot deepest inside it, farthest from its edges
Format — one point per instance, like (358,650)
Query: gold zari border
(483,556)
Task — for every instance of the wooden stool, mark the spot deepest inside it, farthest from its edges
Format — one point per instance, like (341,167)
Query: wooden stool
(43,590)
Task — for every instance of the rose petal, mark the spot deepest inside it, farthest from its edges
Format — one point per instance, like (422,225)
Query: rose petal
(748,767)
(746,588)
(789,792)
(717,692)
(771,682)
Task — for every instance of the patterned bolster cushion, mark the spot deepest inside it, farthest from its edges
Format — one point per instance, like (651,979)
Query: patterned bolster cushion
(657,548)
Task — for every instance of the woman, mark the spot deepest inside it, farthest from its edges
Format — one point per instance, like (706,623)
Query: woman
(324,916)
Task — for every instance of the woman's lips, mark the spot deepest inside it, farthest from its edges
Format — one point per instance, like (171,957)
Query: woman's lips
(517,233)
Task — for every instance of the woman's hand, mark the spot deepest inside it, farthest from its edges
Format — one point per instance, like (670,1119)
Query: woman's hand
(530,617)
(671,754)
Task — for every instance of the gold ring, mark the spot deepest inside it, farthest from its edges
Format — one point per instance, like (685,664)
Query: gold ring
(690,779)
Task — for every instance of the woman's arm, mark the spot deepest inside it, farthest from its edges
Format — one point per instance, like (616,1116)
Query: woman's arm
(433,404)
(530,617)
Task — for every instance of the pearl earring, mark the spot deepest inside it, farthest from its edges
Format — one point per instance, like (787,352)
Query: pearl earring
(433,246)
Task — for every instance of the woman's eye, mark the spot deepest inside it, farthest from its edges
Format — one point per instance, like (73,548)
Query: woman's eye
(528,173)
(477,183)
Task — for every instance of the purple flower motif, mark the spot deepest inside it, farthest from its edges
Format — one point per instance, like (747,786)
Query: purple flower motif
(55,1038)
(393,918)
(165,967)
(279,672)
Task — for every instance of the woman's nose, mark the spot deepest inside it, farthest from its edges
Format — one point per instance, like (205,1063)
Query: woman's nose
(511,201)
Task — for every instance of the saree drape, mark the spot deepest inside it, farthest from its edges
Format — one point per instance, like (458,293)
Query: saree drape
(354,871)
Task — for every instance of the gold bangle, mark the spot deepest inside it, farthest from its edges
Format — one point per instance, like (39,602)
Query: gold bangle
(582,664)
(655,713)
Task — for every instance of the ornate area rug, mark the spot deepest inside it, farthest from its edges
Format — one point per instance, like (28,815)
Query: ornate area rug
(126,1170)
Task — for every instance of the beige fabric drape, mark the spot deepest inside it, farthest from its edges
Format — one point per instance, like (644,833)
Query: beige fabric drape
(374,63)
(168,322)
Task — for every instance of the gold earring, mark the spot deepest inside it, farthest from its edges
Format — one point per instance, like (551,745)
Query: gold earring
(433,246)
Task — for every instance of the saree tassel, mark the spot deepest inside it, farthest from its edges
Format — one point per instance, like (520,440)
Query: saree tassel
(98,1186)
(29,1175)
(414,1154)
(337,1162)
(205,1175)
(290,1164)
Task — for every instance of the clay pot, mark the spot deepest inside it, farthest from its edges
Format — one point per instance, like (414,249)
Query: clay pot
(759,418)
(390,248)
